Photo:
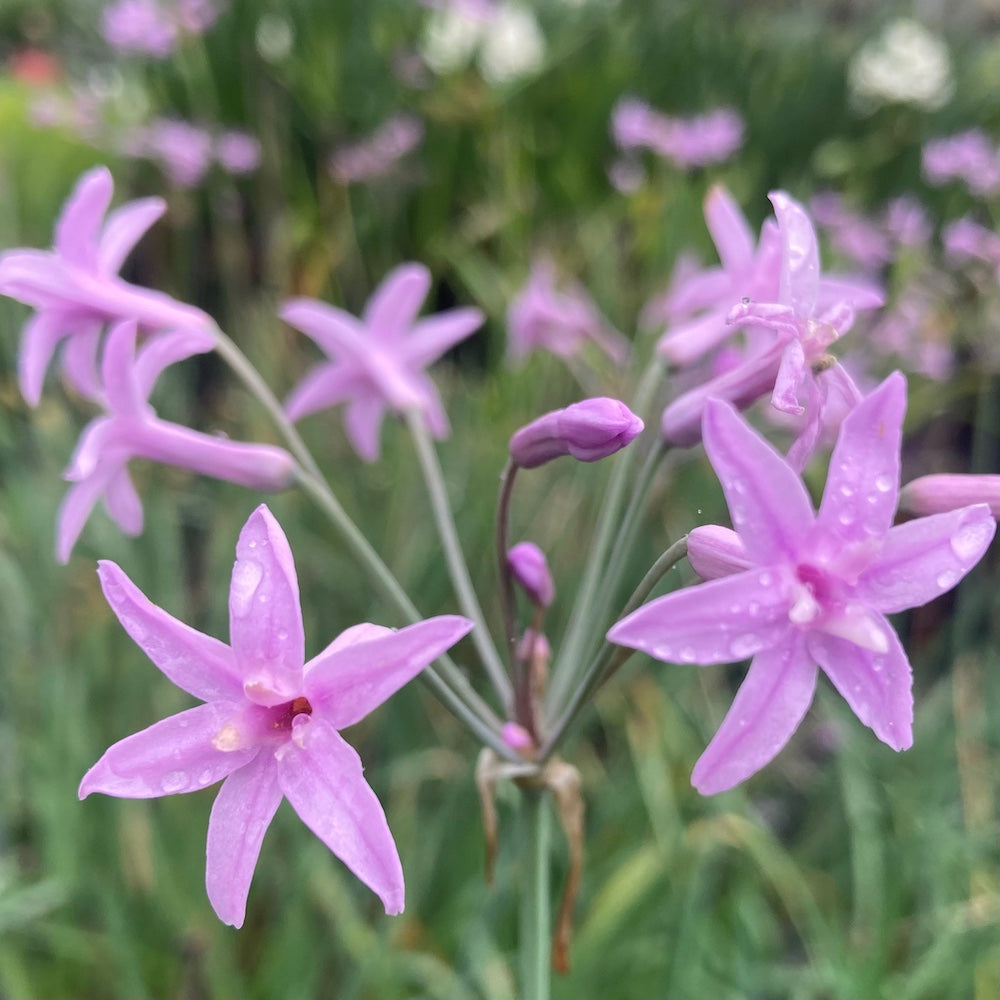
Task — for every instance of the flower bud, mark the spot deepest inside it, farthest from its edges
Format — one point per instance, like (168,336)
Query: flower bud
(714,551)
(527,564)
(589,430)
(941,493)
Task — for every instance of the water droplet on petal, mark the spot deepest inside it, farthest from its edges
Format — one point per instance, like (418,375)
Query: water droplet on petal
(247,574)
(764,579)
(753,609)
(847,491)
(686,654)
(947,579)
(205,778)
(846,518)
(883,483)
(744,645)
(174,781)
(970,540)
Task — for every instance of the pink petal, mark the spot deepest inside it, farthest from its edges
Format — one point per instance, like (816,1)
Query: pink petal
(242,812)
(877,686)
(196,663)
(338,333)
(123,503)
(165,349)
(118,371)
(720,621)
(80,359)
(924,558)
(363,421)
(800,255)
(732,236)
(431,337)
(39,339)
(685,342)
(347,680)
(75,509)
(265,620)
(172,756)
(79,225)
(862,485)
(124,228)
(767,709)
(770,508)
(395,303)
(323,387)
(321,775)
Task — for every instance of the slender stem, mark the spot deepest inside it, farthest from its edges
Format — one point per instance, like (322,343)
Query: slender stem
(536,918)
(444,677)
(582,620)
(457,567)
(506,582)
(610,657)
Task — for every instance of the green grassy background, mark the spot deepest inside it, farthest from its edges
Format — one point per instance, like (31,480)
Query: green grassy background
(841,871)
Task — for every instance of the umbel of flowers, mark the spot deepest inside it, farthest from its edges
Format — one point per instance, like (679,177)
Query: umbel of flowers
(799,591)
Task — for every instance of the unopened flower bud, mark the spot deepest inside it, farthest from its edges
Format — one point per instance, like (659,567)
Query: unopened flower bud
(714,551)
(589,430)
(517,737)
(941,493)
(527,564)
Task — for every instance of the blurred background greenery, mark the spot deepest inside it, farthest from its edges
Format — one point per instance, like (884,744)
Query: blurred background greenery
(841,871)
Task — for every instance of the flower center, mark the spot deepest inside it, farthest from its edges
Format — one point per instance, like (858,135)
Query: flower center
(284,714)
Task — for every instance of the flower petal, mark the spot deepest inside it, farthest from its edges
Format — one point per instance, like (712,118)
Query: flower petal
(265,619)
(770,508)
(321,775)
(395,303)
(877,686)
(123,503)
(80,359)
(325,386)
(432,336)
(172,756)
(800,255)
(720,621)
(336,332)
(731,234)
(124,227)
(241,814)
(118,370)
(767,709)
(39,339)
(347,680)
(924,558)
(75,508)
(79,225)
(195,662)
(363,422)
(862,485)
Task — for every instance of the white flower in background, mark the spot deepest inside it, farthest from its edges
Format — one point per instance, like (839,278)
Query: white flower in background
(513,46)
(274,38)
(505,38)
(906,63)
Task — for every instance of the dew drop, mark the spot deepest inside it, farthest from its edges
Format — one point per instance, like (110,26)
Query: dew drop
(183,722)
(847,491)
(247,574)
(282,634)
(947,579)
(846,518)
(686,654)
(174,781)
(252,544)
(753,609)
(263,598)
(205,778)
(744,645)
(970,540)
(883,483)
(735,608)
(872,499)
(764,579)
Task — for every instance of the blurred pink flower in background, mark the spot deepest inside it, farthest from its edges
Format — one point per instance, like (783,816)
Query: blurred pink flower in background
(152,28)
(859,239)
(376,155)
(692,142)
(965,240)
(970,157)
(237,152)
(182,149)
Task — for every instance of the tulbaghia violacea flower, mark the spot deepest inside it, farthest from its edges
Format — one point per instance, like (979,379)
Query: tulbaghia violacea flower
(377,362)
(804,380)
(589,431)
(377,154)
(270,723)
(971,157)
(142,26)
(541,317)
(131,429)
(530,569)
(817,589)
(75,288)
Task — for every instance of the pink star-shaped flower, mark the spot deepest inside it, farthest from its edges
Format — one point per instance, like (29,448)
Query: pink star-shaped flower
(270,723)
(76,290)
(809,590)
(377,362)
(130,429)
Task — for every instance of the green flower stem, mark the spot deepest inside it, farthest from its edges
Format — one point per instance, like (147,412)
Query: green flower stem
(443,677)
(610,657)
(567,667)
(457,567)
(535,930)
(506,582)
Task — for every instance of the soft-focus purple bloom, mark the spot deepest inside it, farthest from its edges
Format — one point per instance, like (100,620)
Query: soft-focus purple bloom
(943,492)
(686,142)
(805,380)
(143,26)
(541,317)
(197,16)
(130,429)
(529,567)
(377,362)
(379,153)
(862,241)
(76,290)
(270,723)
(819,586)
(969,156)
(237,152)
(916,329)
(907,222)
(964,240)
(182,149)
(589,431)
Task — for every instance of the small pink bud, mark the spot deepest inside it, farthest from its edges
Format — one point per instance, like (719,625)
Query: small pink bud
(516,737)
(941,493)
(526,562)
(589,431)
(714,551)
